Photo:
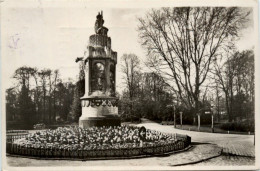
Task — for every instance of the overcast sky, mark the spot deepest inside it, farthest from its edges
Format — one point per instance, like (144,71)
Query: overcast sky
(45,37)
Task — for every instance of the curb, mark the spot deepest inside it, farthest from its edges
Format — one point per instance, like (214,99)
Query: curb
(198,161)
(103,158)
(231,154)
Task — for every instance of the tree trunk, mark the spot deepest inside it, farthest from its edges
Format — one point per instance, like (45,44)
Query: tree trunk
(44,106)
(231,106)
(54,108)
(174,114)
(50,111)
(198,122)
(228,109)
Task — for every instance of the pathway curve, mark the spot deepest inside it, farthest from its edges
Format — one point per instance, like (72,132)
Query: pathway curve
(234,144)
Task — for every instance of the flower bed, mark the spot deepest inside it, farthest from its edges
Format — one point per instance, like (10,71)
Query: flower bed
(96,142)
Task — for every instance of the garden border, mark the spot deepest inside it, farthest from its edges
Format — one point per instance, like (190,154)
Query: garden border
(182,144)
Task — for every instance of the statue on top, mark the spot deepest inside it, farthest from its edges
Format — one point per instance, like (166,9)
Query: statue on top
(99,28)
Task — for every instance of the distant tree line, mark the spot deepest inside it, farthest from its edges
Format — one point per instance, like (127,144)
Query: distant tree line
(235,80)
(146,94)
(40,96)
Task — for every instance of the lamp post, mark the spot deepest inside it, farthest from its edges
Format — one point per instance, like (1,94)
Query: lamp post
(212,122)
(181,119)
(198,121)
(212,118)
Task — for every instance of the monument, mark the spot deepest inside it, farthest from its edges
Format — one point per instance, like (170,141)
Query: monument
(99,104)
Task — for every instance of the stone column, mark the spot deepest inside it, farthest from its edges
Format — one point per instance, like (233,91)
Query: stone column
(86,70)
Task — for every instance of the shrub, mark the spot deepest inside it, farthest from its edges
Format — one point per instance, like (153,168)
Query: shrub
(239,126)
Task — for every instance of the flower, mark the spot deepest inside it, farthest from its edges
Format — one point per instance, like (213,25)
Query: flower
(93,138)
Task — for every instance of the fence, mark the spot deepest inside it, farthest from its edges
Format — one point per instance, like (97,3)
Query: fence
(16,131)
(12,135)
(108,153)
(182,141)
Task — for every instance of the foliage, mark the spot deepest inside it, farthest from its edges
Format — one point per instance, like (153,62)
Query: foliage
(239,126)
(76,109)
(26,107)
(151,99)
(79,91)
(11,104)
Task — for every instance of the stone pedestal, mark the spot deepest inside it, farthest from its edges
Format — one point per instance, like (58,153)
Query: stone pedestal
(99,121)
(99,104)
(99,111)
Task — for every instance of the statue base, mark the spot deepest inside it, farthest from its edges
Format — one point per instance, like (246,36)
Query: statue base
(100,121)
(99,111)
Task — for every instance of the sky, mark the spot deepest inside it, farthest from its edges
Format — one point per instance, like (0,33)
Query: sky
(53,37)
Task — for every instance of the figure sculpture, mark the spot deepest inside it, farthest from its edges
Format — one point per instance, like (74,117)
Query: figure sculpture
(99,28)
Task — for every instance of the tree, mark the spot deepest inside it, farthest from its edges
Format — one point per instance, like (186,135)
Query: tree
(235,76)
(25,107)
(39,99)
(75,112)
(150,99)
(23,75)
(60,96)
(186,41)
(11,104)
(56,80)
(130,69)
(44,75)
(36,93)
(79,91)
(155,97)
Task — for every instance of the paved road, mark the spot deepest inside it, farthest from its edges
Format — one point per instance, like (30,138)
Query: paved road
(242,145)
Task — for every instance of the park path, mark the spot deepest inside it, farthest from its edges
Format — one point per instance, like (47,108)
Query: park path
(233,144)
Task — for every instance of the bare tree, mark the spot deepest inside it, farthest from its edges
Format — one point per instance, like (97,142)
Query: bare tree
(182,44)
(235,75)
(55,82)
(130,68)
(225,79)
(24,74)
(36,94)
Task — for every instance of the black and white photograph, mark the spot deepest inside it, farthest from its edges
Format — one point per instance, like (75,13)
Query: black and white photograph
(129,85)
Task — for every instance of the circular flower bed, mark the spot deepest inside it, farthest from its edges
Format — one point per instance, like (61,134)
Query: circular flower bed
(94,138)
(96,143)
